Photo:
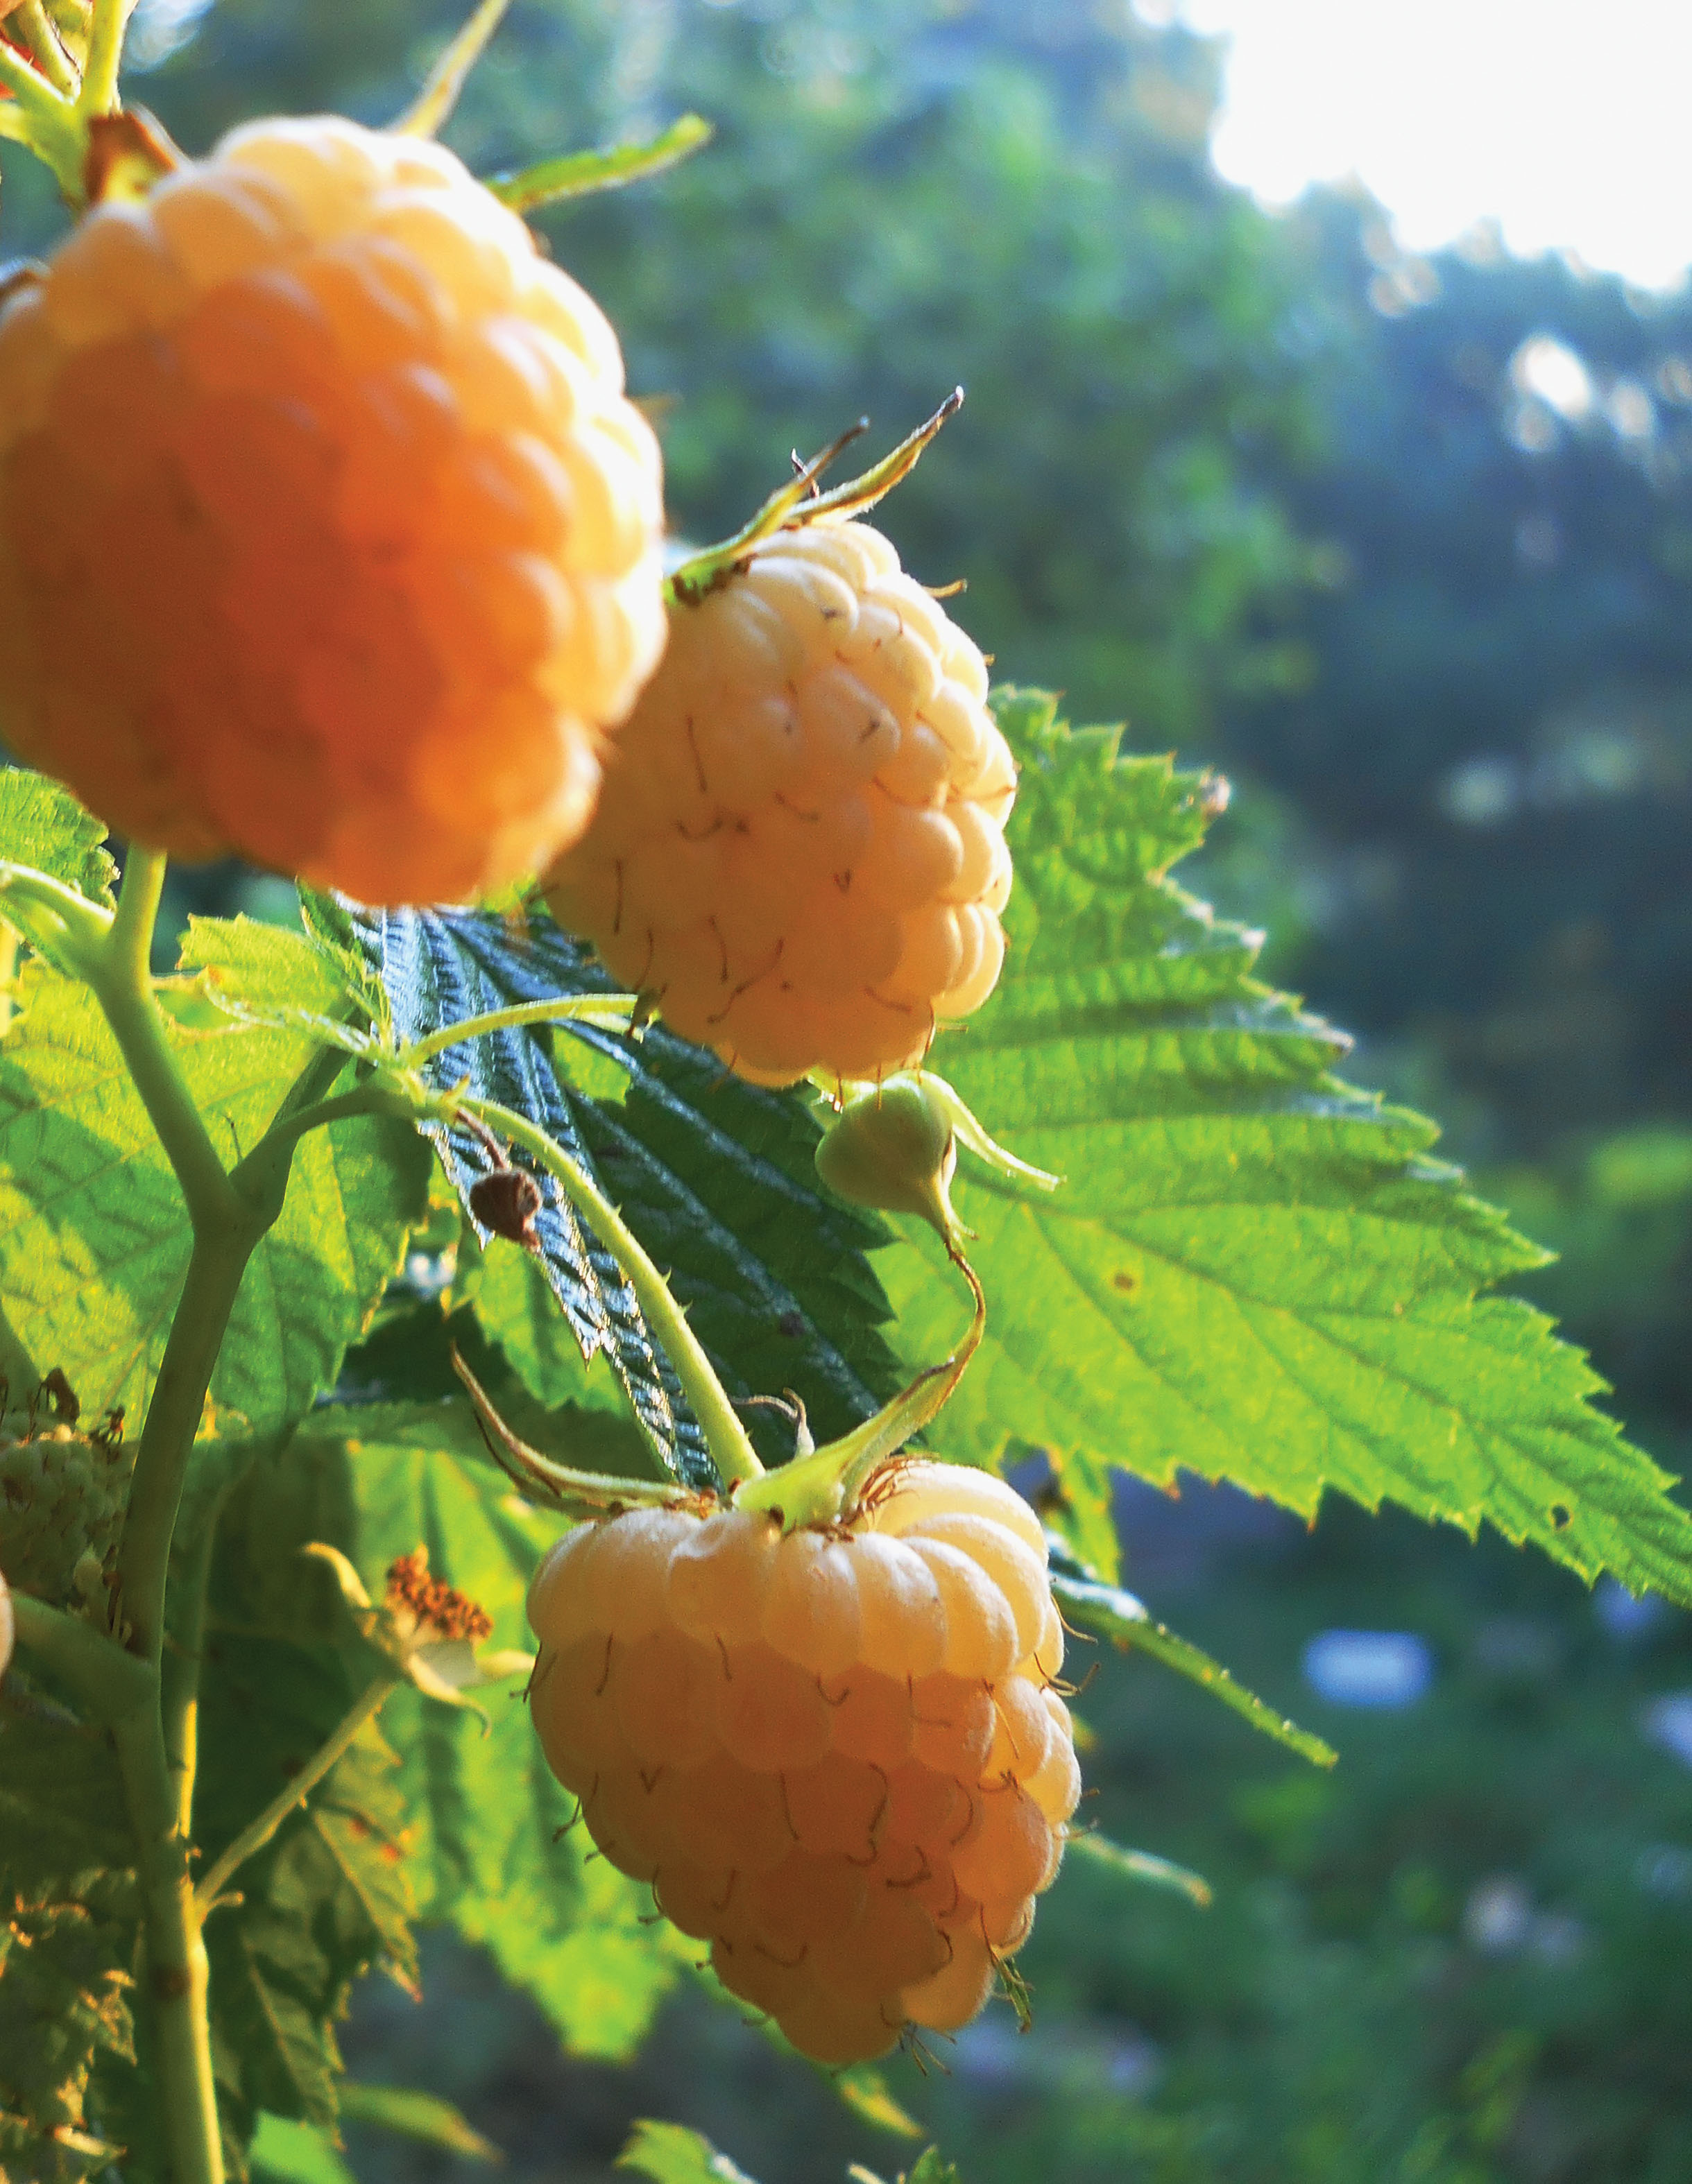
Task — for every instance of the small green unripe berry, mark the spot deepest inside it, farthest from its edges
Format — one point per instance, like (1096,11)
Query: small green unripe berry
(61,1498)
(894,1147)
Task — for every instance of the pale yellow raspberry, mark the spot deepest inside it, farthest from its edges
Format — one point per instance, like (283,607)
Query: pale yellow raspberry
(836,1754)
(800,851)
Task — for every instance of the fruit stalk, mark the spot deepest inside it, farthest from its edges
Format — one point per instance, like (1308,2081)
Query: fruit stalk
(607,1011)
(731,1449)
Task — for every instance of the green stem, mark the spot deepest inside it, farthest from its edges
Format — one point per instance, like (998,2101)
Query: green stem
(105,1680)
(824,1486)
(376,1098)
(121,977)
(180,1684)
(617,1006)
(30,21)
(99,93)
(731,1448)
(173,1419)
(156,1741)
(176,1975)
(258,1832)
(55,135)
(122,1692)
(8,977)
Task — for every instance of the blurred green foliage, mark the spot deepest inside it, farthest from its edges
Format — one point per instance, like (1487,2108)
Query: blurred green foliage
(1456,1960)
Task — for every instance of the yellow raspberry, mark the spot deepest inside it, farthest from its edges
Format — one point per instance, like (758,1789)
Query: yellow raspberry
(327,534)
(836,1754)
(800,851)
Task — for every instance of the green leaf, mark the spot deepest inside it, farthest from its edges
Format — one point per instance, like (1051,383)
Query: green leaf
(583,174)
(866,2093)
(715,1178)
(327,1898)
(263,973)
(1253,1272)
(441,968)
(1117,1616)
(515,1303)
(294,2154)
(930,2169)
(43,825)
(1143,1866)
(671,2153)
(489,1840)
(69,1911)
(94,1240)
(411,2114)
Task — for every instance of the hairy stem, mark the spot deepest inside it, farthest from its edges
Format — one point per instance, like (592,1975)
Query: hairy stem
(731,1448)
(258,1831)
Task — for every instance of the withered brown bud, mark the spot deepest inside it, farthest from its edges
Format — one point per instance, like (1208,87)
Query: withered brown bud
(506,1202)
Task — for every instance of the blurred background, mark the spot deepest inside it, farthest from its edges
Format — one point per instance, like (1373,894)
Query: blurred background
(1384,505)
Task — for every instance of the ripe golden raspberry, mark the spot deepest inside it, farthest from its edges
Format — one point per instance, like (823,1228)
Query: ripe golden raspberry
(800,850)
(61,1497)
(836,1754)
(327,535)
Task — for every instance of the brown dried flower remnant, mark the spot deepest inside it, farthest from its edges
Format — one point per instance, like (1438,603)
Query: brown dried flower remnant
(433,1602)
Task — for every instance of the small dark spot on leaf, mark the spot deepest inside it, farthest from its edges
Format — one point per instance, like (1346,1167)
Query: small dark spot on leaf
(1123,1280)
(791,1324)
(1561,1516)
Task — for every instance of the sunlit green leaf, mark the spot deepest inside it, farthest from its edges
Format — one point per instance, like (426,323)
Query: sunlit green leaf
(584,174)
(411,2113)
(1253,1272)
(94,1239)
(671,2153)
(43,825)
